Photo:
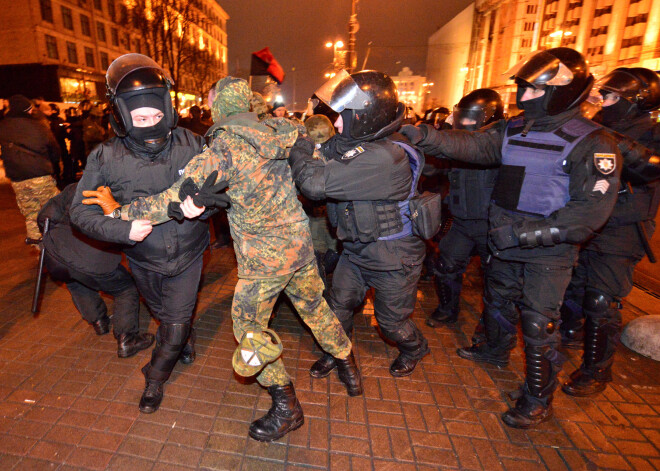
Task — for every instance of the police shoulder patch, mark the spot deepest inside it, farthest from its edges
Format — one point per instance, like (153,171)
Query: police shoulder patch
(351,154)
(605,163)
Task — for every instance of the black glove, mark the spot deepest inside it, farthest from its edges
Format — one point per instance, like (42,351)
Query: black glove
(210,195)
(174,211)
(503,237)
(302,148)
(413,133)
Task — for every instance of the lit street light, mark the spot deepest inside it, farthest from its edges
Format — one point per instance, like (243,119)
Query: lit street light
(338,55)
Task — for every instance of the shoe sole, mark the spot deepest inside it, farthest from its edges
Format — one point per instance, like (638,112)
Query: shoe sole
(526,426)
(499,363)
(130,353)
(296,425)
(574,393)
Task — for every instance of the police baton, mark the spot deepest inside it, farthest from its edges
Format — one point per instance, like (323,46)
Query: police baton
(643,237)
(37,288)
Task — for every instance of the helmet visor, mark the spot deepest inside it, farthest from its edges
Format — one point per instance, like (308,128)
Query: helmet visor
(619,81)
(464,118)
(341,92)
(124,65)
(541,69)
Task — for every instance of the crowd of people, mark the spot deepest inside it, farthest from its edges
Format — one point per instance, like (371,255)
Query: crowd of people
(559,208)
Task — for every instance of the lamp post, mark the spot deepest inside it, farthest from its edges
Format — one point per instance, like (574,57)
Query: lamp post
(338,54)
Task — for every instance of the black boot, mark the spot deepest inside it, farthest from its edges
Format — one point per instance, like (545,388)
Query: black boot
(497,346)
(323,366)
(131,343)
(284,416)
(349,374)
(188,354)
(596,369)
(102,325)
(171,339)
(535,402)
(448,288)
(411,352)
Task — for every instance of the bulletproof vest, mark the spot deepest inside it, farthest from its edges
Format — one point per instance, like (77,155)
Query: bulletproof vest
(470,191)
(532,177)
(369,221)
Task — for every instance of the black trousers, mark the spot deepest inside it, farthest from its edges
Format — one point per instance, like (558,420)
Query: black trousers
(395,296)
(85,289)
(171,299)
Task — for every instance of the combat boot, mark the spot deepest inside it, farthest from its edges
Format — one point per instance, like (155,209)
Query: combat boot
(596,369)
(323,366)
(171,339)
(284,416)
(410,354)
(188,354)
(102,325)
(349,374)
(130,343)
(482,353)
(448,288)
(497,346)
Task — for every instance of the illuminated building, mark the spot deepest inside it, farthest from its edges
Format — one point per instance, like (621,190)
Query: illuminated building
(412,89)
(61,49)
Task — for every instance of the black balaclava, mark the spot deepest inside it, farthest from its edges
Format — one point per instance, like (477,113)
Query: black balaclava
(151,139)
(611,115)
(533,108)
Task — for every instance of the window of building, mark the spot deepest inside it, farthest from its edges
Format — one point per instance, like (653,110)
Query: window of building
(84,25)
(100,31)
(51,47)
(111,9)
(71,52)
(603,11)
(46,10)
(82,3)
(526,42)
(114,36)
(531,9)
(97,5)
(123,14)
(529,26)
(67,18)
(89,57)
(105,61)
(633,20)
(632,42)
(599,31)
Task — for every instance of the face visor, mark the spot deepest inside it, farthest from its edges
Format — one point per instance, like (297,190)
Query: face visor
(128,63)
(540,69)
(621,82)
(341,92)
(460,114)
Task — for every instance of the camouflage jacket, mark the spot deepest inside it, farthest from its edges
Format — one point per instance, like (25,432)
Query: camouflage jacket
(269,227)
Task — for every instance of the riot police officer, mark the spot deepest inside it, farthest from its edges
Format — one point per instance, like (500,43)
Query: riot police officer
(470,188)
(557,184)
(603,277)
(370,174)
(145,158)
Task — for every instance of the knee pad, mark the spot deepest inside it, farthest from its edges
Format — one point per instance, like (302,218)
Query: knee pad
(445,265)
(598,304)
(537,328)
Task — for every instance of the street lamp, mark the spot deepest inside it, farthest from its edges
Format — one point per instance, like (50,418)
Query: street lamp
(338,55)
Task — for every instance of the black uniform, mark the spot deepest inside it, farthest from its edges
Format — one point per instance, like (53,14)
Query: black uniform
(88,266)
(535,229)
(167,264)
(363,188)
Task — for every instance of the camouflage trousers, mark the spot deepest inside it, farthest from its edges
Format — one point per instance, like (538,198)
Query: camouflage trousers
(31,195)
(253,305)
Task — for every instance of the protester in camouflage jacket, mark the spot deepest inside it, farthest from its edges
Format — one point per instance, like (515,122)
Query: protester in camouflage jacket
(271,239)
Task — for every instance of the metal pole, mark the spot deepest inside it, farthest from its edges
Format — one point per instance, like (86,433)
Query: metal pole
(353,27)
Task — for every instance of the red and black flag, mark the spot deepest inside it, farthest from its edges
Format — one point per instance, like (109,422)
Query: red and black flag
(264,63)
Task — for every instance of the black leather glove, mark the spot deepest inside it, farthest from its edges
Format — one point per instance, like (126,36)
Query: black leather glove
(503,237)
(303,148)
(413,133)
(174,211)
(210,195)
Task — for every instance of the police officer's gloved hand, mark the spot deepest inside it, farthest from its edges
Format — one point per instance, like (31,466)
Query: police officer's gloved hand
(414,134)
(302,149)
(503,237)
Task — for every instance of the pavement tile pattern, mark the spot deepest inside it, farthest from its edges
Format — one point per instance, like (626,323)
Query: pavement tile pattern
(68,403)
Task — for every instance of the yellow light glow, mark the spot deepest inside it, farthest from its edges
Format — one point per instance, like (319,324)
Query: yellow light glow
(339,44)
(328,44)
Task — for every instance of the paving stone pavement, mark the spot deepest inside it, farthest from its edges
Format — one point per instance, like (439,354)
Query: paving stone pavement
(67,402)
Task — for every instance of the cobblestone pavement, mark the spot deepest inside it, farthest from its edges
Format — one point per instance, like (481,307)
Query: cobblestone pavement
(67,402)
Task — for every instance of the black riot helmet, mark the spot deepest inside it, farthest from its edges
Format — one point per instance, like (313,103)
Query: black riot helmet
(482,105)
(131,75)
(562,72)
(637,85)
(368,102)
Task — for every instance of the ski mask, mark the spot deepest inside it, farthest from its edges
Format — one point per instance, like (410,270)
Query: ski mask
(154,138)
(620,110)
(533,108)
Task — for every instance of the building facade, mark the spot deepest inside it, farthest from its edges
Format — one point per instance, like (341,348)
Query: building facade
(61,49)
(412,89)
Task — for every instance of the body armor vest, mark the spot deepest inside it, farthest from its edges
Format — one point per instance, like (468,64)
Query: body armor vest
(532,177)
(470,191)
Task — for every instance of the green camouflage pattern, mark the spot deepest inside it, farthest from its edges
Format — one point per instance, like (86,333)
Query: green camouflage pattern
(319,128)
(253,304)
(232,97)
(258,105)
(255,350)
(31,195)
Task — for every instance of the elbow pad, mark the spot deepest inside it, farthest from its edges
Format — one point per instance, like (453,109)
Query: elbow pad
(546,237)
(312,183)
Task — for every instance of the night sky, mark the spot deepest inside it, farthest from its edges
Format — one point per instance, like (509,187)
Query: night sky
(296,32)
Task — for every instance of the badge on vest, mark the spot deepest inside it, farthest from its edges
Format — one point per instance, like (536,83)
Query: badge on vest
(351,154)
(605,163)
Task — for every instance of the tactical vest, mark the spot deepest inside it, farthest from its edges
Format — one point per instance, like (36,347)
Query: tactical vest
(369,221)
(532,177)
(470,191)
